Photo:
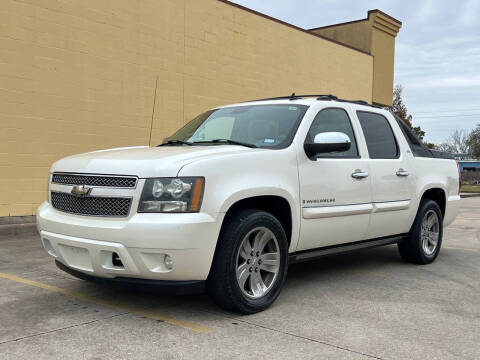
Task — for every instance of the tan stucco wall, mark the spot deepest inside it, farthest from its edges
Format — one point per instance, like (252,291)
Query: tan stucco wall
(80,75)
(356,34)
(376,36)
(384,31)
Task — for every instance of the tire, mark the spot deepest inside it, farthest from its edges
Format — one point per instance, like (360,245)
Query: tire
(223,284)
(420,247)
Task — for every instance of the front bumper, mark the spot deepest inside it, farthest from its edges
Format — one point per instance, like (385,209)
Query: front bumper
(158,286)
(87,244)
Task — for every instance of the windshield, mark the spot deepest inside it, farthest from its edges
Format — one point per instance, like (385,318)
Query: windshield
(265,126)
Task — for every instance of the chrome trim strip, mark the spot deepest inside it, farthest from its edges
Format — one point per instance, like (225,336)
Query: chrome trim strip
(391,206)
(100,191)
(334,211)
(317,212)
(95,175)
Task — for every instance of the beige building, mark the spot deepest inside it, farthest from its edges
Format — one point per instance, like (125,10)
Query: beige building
(76,76)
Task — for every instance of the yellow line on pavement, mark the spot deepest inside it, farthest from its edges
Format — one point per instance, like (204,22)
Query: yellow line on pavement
(371,273)
(149,314)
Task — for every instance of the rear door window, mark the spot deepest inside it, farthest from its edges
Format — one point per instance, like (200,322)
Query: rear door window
(379,136)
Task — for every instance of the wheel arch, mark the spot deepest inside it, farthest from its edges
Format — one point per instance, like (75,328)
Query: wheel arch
(276,205)
(438,195)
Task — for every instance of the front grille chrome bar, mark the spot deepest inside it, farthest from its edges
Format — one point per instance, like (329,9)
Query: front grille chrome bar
(113,181)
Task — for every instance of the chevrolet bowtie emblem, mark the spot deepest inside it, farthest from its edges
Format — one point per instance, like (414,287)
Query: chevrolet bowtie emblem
(81,190)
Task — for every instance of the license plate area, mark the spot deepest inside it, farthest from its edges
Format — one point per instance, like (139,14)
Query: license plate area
(76,257)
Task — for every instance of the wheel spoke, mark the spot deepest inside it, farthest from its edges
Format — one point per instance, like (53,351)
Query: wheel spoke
(433,238)
(425,223)
(270,262)
(242,274)
(261,239)
(431,220)
(245,249)
(425,245)
(256,284)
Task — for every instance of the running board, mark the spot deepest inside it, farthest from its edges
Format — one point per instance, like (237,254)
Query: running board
(305,255)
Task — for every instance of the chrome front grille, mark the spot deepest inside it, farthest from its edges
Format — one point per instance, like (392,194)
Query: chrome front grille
(91,205)
(95,180)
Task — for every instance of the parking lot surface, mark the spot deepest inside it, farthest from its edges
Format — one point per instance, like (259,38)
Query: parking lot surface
(363,305)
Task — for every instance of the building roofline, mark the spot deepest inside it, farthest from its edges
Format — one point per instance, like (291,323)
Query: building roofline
(293,26)
(342,23)
(359,20)
(384,14)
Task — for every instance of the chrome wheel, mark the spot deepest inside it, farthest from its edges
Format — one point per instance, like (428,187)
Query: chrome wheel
(430,232)
(258,262)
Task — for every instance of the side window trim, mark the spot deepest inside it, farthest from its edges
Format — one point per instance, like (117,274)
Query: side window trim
(414,143)
(353,132)
(397,156)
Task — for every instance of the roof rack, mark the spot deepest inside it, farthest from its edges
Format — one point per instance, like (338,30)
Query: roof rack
(294,97)
(324,97)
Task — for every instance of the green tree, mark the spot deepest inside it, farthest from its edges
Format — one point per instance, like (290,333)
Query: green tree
(399,108)
(474,142)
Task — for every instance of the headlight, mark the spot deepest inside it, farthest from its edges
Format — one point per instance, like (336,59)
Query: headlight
(172,195)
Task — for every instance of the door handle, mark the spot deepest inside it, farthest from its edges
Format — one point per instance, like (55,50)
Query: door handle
(359,174)
(402,172)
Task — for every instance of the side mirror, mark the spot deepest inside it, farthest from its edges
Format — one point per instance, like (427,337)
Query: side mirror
(328,142)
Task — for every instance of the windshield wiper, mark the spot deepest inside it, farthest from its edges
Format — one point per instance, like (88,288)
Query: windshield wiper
(175,142)
(226,141)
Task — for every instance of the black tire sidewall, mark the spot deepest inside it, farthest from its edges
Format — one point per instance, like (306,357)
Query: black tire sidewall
(226,258)
(416,232)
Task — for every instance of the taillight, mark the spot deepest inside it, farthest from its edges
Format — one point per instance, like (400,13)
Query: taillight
(459,178)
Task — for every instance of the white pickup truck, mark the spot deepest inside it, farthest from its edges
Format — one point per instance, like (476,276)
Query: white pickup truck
(241,191)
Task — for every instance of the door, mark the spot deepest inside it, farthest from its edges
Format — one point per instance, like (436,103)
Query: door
(391,177)
(335,190)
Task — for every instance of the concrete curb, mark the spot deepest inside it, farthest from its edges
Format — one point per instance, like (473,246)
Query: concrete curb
(28,219)
(17,229)
(469,195)
(18,225)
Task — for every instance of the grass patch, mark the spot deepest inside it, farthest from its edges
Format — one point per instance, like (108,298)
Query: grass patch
(470,188)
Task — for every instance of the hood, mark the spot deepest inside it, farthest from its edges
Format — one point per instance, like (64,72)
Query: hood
(142,161)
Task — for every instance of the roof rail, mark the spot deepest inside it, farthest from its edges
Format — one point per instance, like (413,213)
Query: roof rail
(323,97)
(359,102)
(327,97)
(294,97)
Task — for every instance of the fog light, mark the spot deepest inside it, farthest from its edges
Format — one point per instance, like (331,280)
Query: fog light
(168,262)
(48,246)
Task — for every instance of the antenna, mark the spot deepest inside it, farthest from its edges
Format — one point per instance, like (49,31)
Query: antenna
(153,112)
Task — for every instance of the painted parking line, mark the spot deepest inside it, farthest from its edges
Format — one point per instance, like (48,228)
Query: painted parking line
(149,314)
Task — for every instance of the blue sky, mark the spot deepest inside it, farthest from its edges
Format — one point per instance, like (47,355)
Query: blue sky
(437,55)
